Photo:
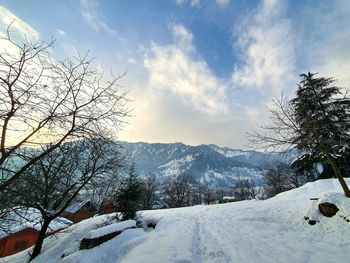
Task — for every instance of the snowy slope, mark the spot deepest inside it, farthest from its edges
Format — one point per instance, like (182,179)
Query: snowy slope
(249,231)
(208,164)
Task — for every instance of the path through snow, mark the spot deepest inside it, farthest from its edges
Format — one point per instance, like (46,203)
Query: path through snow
(250,231)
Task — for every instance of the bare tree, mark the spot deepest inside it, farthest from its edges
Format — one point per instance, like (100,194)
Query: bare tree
(44,103)
(104,188)
(177,192)
(293,178)
(207,194)
(54,181)
(245,189)
(276,180)
(150,185)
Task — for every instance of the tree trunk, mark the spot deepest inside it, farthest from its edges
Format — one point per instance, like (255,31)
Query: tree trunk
(338,174)
(40,240)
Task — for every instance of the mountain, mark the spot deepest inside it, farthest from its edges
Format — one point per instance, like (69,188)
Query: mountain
(208,164)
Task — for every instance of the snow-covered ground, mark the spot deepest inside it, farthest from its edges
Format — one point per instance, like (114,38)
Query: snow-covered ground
(249,231)
(105,230)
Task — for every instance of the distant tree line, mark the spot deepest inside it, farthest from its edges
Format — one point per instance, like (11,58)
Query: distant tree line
(150,192)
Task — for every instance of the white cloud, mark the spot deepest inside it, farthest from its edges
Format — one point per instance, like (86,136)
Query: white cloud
(18,25)
(89,11)
(192,2)
(184,100)
(266,42)
(328,52)
(195,2)
(178,69)
(61,32)
(132,61)
(223,3)
(168,119)
(182,34)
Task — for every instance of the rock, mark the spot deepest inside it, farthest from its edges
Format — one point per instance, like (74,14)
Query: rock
(312,222)
(151,225)
(328,209)
(346,219)
(88,243)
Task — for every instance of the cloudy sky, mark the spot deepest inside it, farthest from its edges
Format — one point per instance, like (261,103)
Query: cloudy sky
(198,71)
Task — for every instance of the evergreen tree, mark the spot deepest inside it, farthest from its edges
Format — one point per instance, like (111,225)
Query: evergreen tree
(129,195)
(323,121)
(316,122)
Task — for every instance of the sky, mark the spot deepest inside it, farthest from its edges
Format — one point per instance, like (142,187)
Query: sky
(197,72)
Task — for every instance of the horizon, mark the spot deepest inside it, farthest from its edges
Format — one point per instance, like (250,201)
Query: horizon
(198,72)
(193,145)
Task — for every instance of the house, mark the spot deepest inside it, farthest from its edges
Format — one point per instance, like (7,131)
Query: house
(80,211)
(107,207)
(159,205)
(228,199)
(23,230)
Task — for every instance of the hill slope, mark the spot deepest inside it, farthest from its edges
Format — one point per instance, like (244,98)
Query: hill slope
(273,230)
(208,164)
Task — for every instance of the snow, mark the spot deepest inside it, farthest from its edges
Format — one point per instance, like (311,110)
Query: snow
(228,198)
(111,229)
(63,243)
(342,203)
(177,166)
(213,177)
(30,218)
(229,153)
(75,207)
(211,174)
(319,168)
(272,230)
(111,251)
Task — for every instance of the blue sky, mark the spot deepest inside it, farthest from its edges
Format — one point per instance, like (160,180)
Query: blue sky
(198,71)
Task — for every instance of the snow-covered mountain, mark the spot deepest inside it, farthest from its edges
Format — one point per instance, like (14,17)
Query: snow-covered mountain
(208,164)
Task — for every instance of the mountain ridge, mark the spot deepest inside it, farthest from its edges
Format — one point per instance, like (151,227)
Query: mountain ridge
(207,164)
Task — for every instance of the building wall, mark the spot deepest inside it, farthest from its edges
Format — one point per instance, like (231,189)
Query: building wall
(79,216)
(20,241)
(107,208)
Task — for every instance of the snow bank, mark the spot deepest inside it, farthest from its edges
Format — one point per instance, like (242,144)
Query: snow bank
(112,251)
(338,199)
(110,229)
(267,231)
(310,190)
